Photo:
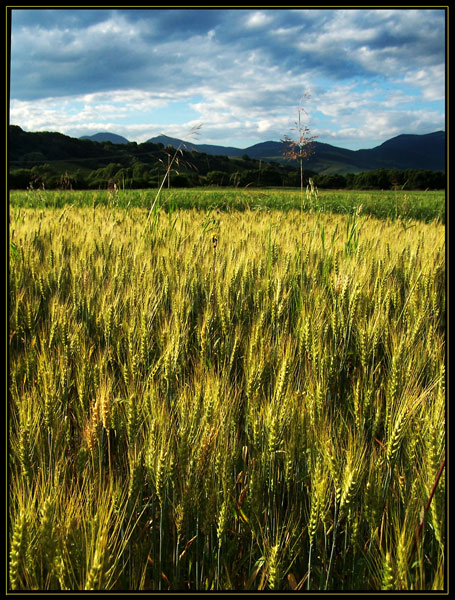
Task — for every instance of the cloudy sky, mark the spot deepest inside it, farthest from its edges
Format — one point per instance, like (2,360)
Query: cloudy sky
(239,73)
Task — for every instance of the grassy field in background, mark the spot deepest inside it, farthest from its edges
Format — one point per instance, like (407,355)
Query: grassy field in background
(420,205)
(240,395)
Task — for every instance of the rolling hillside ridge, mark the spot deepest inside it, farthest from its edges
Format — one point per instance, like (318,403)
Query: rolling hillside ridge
(406,151)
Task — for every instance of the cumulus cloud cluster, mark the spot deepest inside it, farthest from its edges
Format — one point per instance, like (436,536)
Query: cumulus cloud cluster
(371,74)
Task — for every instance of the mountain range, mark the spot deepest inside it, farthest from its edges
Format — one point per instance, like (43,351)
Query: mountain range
(406,151)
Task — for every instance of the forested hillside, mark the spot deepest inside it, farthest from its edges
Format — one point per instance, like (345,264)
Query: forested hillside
(56,161)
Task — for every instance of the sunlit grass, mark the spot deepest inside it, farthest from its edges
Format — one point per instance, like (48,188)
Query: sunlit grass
(266,412)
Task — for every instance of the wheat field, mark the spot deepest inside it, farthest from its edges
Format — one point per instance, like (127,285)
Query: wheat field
(225,401)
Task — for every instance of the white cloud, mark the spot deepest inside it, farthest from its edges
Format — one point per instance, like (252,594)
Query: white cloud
(258,19)
(430,80)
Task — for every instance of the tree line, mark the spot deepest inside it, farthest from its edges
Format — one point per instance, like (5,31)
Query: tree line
(141,176)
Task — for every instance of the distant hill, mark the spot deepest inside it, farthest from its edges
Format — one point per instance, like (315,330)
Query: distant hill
(402,152)
(105,136)
(412,151)
(207,148)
